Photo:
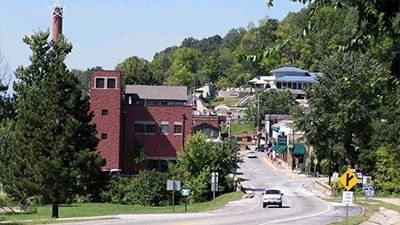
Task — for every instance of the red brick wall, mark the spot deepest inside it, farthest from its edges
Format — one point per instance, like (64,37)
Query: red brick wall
(210,120)
(108,99)
(157,145)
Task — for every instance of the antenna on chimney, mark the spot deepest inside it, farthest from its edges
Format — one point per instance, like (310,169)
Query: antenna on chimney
(57,20)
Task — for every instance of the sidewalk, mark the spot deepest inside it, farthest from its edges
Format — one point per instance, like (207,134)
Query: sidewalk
(281,166)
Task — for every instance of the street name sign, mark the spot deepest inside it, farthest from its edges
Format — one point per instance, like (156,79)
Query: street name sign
(348,179)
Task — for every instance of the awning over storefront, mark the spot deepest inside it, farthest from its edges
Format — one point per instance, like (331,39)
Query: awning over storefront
(282,149)
(299,150)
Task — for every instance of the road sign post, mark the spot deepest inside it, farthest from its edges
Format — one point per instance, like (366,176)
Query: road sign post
(214,183)
(348,180)
(347,200)
(315,166)
(173,185)
(185,193)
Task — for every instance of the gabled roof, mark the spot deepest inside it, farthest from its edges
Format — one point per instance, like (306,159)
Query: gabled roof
(158,92)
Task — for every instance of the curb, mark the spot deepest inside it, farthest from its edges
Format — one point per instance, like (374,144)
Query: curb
(70,219)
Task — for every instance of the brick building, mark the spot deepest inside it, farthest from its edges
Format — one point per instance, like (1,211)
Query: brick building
(155,116)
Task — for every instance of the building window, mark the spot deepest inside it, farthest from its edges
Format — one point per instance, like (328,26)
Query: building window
(139,127)
(111,83)
(100,82)
(289,85)
(104,112)
(103,136)
(294,85)
(299,85)
(284,84)
(278,85)
(164,128)
(177,128)
(150,128)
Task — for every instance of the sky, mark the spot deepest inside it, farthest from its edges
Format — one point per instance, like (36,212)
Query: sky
(105,32)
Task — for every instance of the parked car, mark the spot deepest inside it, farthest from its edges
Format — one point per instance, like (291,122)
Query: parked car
(251,154)
(272,197)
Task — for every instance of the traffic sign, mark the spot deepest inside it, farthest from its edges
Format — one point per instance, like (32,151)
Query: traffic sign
(315,161)
(348,179)
(185,192)
(347,197)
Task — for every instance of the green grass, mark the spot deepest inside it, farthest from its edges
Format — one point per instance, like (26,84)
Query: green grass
(103,209)
(369,210)
(239,128)
(226,101)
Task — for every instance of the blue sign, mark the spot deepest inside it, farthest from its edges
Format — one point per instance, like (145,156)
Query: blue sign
(369,191)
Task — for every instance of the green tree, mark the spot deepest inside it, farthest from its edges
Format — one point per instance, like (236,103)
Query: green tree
(343,106)
(280,102)
(51,153)
(135,70)
(198,159)
(387,176)
(84,78)
(185,68)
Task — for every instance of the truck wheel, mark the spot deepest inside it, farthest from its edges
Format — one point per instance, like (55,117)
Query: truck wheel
(280,205)
(265,205)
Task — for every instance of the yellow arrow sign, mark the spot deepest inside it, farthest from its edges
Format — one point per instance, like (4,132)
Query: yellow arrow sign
(348,179)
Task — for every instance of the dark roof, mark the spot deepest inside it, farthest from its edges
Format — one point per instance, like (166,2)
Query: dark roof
(158,92)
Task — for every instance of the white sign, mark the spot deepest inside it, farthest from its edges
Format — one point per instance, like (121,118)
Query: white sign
(214,181)
(347,197)
(185,192)
(214,177)
(335,176)
(359,178)
(366,180)
(173,185)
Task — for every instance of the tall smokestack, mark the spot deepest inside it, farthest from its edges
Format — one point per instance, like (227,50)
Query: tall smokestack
(57,22)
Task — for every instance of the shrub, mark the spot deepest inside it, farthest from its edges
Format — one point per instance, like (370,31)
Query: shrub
(147,188)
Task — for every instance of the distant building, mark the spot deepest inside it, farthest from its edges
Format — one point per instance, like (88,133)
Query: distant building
(292,78)
(156,116)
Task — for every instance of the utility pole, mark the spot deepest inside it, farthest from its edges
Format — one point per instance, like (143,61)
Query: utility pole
(258,119)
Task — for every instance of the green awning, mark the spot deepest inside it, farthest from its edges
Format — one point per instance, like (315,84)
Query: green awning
(275,147)
(282,149)
(299,149)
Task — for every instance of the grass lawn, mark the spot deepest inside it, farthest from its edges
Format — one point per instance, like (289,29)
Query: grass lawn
(103,209)
(238,128)
(369,210)
(226,101)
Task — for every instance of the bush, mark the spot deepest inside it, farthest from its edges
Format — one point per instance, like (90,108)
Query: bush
(147,188)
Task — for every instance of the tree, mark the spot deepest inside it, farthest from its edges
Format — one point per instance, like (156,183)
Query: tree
(280,102)
(84,78)
(5,102)
(387,176)
(199,158)
(51,152)
(343,106)
(135,71)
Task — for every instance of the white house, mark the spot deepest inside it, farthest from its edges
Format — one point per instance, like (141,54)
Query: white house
(292,78)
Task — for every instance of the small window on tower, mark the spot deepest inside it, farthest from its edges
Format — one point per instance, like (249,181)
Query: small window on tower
(104,112)
(111,83)
(99,82)
(103,136)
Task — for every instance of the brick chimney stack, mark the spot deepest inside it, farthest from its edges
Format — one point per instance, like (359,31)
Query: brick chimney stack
(57,22)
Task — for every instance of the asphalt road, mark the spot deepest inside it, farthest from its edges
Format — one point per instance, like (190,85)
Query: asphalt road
(300,206)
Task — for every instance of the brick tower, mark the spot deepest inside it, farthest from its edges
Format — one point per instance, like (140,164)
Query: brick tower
(105,102)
